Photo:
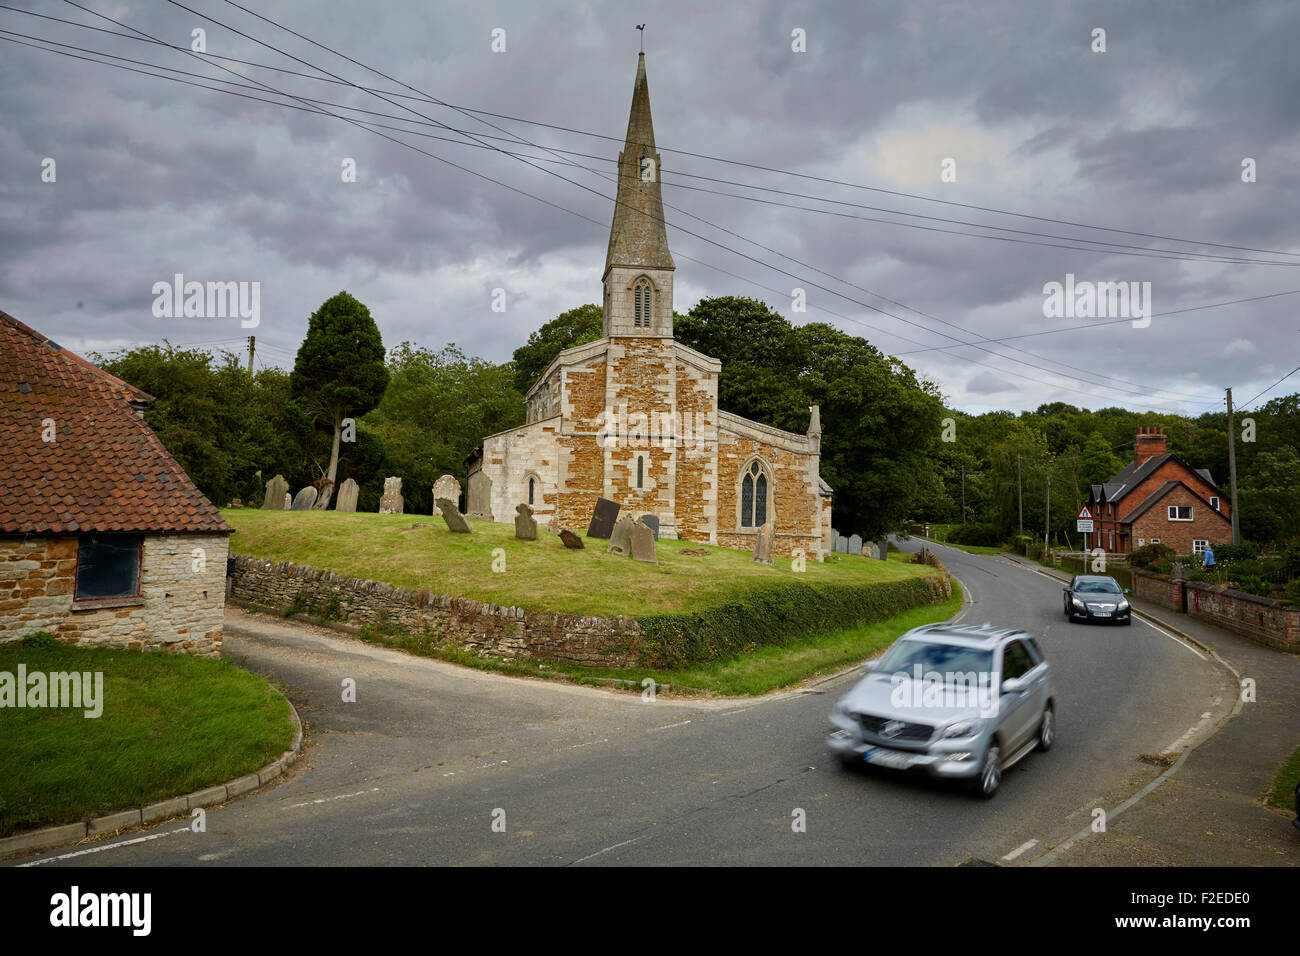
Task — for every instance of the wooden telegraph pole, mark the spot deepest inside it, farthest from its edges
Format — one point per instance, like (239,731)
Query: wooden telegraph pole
(252,341)
(1047,527)
(1232,471)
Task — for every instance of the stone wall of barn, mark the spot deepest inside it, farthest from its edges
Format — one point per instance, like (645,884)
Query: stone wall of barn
(180,606)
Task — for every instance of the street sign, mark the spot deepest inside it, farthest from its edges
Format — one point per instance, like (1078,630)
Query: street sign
(1084,513)
(1084,525)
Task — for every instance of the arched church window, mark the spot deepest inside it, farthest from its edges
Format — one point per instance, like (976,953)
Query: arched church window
(640,471)
(753,497)
(641,303)
(532,484)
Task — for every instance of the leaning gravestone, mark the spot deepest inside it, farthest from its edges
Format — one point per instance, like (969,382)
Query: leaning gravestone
(763,543)
(570,539)
(391,501)
(855,544)
(304,499)
(651,522)
(603,517)
(525,525)
(348,492)
(643,543)
(276,489)
(446,487)
(478,500)
(620,539)
(456,522)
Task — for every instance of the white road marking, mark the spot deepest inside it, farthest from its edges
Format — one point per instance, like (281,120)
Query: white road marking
(1020,849)
(728,713)
(341,796)
(680,723)
(106,846)
(608,848)
(1177,640)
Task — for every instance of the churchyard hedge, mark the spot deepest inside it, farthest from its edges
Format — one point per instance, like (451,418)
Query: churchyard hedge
(778,615)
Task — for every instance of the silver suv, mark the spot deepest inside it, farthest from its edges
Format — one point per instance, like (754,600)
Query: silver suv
(960,702)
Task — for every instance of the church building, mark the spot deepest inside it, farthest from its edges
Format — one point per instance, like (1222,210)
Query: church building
(634,417)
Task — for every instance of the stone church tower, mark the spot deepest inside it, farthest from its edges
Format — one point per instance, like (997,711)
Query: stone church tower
(634,416)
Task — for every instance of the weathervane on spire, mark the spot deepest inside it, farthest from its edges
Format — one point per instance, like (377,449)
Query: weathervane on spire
(641,27)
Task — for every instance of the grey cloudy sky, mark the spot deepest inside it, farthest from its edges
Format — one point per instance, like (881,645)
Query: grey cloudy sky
(156,178)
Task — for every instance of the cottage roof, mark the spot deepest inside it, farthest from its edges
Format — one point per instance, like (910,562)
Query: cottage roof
(75,455)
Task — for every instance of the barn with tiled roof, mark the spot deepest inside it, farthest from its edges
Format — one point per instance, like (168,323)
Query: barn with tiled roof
(103,537)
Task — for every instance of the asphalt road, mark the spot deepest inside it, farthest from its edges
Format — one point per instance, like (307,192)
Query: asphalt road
(438,764)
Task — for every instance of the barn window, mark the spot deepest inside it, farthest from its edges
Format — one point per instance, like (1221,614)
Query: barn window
(753,497)
(108,567)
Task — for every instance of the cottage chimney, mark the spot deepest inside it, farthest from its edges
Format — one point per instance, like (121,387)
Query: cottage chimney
(1150,443)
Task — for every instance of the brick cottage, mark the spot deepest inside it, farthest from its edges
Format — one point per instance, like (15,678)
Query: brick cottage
(1158,499)
(103,537)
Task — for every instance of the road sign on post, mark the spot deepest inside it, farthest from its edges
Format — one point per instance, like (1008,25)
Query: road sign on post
(1083,521)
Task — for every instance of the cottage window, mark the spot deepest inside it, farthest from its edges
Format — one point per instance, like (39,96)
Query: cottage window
(1199,545)
(753,497)
(1214,502)
(1180,512)
(108,566)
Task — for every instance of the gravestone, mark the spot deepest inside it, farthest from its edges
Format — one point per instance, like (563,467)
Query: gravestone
(304,499)
(643,543)
(882,549)
(276,489)
(288,501)
(525,525)
(603,517)
(391,502)
(840,543)
(651,522)
(763,543)
(456,522)
(348,492)
(478,501)
(869,549)
(855,544)
(620,539)
(570,539)
(446,487)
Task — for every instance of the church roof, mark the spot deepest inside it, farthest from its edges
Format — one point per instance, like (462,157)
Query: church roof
(638,237)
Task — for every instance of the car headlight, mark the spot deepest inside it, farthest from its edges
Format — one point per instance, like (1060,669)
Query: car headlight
(962,728)
(1078,603)
(1123,604)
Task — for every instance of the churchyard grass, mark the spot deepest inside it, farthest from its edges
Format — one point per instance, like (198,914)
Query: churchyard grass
(539,575)
(171,724)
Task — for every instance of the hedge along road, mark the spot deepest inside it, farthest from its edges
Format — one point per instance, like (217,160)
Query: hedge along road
(430,756)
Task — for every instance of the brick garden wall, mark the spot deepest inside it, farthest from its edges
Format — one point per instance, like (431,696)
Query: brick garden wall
(1259,619)
(179,609)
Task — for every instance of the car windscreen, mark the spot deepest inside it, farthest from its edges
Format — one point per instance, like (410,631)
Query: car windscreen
(1097,587)
(933,656)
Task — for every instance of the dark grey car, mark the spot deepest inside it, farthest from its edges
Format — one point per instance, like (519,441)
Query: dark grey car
(957,702)
(1097,597)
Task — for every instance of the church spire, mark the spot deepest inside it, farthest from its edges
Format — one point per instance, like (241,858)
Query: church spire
(638,238)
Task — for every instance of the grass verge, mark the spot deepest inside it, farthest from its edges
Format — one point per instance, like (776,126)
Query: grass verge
(750,673)
(1283,794)
(171,724)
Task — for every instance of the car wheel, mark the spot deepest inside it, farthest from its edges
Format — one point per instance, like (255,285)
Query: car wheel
(990,777)
(1128,621)
(849,761)
(1047,729)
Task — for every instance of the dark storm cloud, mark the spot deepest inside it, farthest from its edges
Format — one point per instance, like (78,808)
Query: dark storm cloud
(156,178)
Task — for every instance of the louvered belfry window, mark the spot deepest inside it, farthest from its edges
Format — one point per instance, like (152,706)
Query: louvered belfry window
(641,303)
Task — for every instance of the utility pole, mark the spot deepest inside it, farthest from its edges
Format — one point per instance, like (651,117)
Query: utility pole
(1020,495)
(252,341)
(1232,471)
(963,494)
(1047,527)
